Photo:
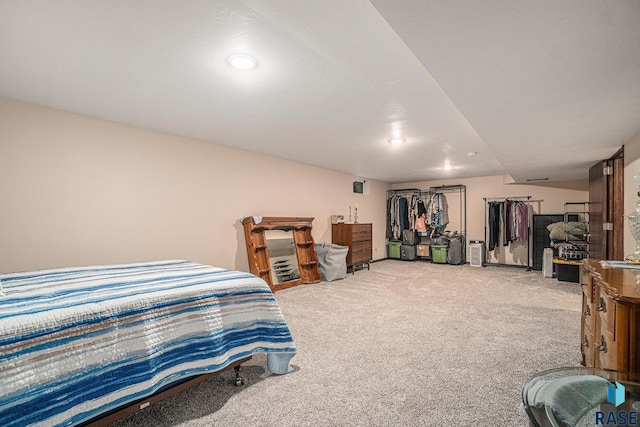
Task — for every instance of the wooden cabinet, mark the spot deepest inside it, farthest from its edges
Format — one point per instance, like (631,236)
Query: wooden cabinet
(610,338)
(358,238)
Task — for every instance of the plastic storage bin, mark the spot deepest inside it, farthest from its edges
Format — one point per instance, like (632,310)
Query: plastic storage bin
(423,251)
(408,252)
(567,271)
(439,254)
(394,249)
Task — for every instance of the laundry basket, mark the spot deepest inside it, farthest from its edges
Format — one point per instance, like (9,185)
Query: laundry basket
(332,261)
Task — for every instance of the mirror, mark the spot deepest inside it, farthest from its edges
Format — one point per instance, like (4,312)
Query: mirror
(283,259)
(281,250)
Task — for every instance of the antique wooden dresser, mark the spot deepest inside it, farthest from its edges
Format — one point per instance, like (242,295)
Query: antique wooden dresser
(610,317)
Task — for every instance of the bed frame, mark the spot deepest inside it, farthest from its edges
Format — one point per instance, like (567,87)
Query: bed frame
(171,390)
(100,376)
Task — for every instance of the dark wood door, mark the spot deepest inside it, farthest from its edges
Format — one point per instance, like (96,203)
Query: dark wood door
(597,194)
(615,209)
(606,206)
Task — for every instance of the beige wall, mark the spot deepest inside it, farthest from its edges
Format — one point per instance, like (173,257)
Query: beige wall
(77,191)
(552,202)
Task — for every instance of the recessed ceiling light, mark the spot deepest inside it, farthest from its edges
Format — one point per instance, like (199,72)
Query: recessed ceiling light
(447,167)
(396,141)
(242,62)
(472,153)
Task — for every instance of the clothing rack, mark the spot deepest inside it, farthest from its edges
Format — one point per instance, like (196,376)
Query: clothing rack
(462,192)
(404,192)
(427,194)
(529,200)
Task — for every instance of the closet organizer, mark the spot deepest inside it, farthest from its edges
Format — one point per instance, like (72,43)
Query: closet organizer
(506,224)
(424,211)
(406,210)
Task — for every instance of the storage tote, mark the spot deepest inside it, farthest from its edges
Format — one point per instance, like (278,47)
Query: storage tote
(394,249)
(332,261)
(408,252)
(439,254)
(423,251)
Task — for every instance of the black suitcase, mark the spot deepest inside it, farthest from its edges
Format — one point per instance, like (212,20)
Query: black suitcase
(410,237)
(408,252)
(456,252)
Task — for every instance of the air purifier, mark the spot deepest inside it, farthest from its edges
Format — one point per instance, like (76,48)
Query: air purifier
(547,263)
(476,254)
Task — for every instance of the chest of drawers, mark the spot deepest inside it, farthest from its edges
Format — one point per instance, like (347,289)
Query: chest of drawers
(358,238)
(610,332)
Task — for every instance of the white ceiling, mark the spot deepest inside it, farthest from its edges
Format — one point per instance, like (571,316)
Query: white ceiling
(539,89)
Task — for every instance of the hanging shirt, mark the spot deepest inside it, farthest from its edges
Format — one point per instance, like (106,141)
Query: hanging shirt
(522,221)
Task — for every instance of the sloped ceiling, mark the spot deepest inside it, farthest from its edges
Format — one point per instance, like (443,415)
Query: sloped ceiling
(536,89)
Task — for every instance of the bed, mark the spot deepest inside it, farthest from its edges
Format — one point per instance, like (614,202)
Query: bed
(79,343)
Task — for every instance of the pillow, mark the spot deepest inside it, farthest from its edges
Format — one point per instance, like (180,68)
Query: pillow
(574,230)
(556,231)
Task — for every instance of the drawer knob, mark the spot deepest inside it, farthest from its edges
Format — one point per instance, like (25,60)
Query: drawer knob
(602,305)
(587,312)
(603,345)
(585,343)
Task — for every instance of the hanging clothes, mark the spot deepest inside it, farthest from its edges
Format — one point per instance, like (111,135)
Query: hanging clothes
(522,221)
(405,212)
(503,223)
(421,216)
(396,216)
(494,224)
(401,215)
(508,221)
(438,212)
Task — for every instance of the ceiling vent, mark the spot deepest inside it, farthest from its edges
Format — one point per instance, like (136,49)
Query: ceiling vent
(537,179)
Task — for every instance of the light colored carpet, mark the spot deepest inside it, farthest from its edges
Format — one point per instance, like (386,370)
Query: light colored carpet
(407,343)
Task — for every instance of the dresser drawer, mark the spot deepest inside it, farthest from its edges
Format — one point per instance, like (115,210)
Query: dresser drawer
(606,353)
(588,313)
(361,246)
(361,237)
(587,346)
(363,255)
(606,308)
(360,229)
(587,289)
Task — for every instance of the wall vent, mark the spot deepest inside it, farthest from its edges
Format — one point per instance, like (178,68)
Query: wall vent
(361,186)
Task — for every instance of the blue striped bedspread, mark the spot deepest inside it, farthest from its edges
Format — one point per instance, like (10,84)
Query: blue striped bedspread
(78,342)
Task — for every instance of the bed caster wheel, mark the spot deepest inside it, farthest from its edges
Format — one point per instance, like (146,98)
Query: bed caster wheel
(239,382)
